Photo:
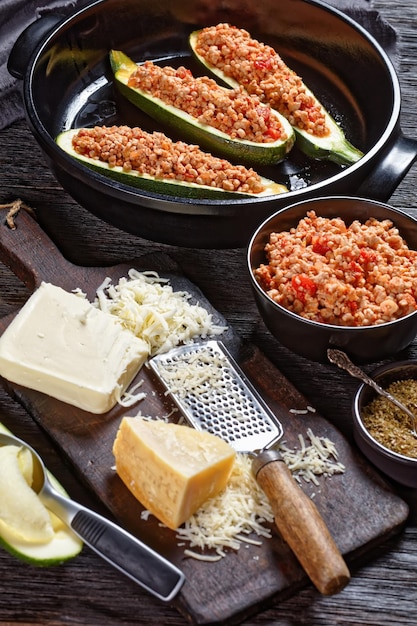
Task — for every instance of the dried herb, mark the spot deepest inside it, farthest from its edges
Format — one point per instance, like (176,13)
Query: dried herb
(388,424)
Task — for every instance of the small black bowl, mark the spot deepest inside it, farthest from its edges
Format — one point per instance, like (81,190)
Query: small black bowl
(311,339)
(400,468)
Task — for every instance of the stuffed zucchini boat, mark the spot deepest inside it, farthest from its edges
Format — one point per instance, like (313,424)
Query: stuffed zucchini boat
(227,122)
(236,59)
(155,163)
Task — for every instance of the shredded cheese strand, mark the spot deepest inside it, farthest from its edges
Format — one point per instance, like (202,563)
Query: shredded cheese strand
(317,459)
(131,396)
(148,306)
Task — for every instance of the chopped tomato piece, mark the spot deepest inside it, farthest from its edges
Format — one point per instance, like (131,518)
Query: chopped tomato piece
(275,133)
(303,286)
(321,245)
(356,271)
(263,64)
(367,256)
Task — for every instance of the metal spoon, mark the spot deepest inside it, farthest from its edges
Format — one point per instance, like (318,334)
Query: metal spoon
(126,553)
(340,359)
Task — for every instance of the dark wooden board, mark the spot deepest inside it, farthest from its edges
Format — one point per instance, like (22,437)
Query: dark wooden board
(359,507)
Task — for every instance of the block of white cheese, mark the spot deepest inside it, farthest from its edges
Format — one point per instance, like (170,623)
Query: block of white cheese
(61,345)
(171,469)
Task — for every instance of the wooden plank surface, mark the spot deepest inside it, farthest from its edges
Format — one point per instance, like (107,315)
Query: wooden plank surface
(87,591)
(359,509)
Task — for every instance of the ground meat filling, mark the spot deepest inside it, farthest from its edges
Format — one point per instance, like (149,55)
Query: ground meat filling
(359,275)
(231,111)
(262,72)
(157,155)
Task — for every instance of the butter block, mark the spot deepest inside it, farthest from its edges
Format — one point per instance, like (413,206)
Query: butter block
(61,345)
(171,469)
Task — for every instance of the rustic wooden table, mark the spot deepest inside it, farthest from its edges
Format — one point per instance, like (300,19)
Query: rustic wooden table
(86,590)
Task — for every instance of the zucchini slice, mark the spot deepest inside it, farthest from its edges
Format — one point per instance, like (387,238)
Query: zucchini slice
(332,147)
(208,137)
(158,185)
(42,550)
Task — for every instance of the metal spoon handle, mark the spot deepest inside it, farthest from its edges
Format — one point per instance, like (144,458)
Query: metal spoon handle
(130,556)
(118,547)
(341,359)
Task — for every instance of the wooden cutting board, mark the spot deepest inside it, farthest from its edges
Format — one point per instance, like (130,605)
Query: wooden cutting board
(359,508)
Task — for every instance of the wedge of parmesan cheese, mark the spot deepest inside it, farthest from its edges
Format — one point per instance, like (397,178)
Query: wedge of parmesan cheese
(62,345)
(171,469)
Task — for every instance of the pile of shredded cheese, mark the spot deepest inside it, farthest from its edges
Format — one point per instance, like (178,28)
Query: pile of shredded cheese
(148,306)
(241,512)
(228,519)
(317,459)
(195,374)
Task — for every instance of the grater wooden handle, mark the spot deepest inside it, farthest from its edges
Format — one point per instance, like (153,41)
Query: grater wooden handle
(301,525)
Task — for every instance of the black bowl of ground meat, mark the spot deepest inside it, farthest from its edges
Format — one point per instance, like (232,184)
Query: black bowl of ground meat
(337,272)
(382,431)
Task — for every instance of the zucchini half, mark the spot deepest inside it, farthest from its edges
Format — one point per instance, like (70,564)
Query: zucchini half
(209,138)
(63,546)
(160,186)
(333,147)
